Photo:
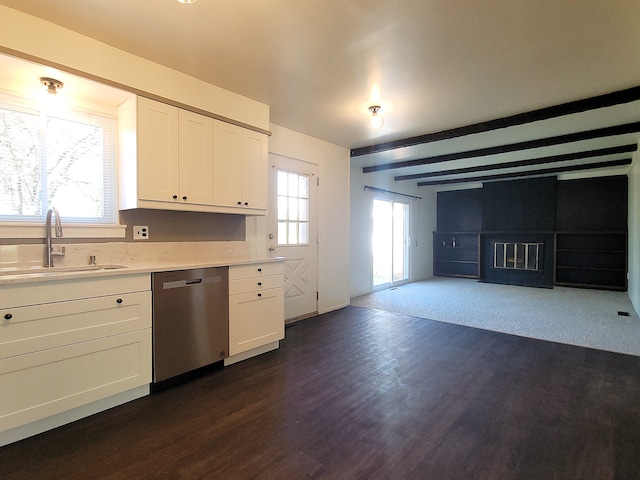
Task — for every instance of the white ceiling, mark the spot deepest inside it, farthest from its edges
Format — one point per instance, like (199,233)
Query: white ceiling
(438,64)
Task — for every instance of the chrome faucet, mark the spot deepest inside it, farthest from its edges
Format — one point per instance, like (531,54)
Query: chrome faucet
(49,253)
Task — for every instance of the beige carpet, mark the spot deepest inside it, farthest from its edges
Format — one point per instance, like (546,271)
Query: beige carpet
(584,317)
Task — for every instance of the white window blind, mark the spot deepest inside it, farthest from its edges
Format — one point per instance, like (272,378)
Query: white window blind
(64,159)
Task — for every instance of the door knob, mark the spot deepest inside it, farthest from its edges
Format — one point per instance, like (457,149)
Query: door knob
(272,248)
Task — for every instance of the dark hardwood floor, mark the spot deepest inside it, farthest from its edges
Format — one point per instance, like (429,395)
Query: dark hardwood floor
(366,394)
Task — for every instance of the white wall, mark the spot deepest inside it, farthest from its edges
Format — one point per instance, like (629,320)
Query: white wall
(333,210)
(634,233)
(423,223)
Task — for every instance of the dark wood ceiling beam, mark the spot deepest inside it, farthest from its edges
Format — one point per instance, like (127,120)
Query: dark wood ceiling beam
(531,173)
(525,163)
(513,147)
(577,106)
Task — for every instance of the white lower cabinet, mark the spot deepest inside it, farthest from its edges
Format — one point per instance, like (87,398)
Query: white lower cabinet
(55,356)
(256,309)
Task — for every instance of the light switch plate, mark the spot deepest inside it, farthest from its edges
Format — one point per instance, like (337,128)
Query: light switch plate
(141,232)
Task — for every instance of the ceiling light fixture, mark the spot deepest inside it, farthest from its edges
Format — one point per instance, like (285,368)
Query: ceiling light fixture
(52,84)
(187,1)
(375,120)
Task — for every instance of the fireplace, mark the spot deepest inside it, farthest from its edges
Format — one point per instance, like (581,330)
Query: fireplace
(517,255)
(518,258)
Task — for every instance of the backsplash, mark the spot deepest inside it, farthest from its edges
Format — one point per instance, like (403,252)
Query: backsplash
(123,253)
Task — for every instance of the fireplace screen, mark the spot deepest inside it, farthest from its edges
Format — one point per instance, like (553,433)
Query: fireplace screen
(517,256)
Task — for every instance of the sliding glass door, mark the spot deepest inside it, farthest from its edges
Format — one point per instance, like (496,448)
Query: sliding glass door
(390,243)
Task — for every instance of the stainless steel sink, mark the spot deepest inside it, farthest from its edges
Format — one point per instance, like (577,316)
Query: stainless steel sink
(52,270)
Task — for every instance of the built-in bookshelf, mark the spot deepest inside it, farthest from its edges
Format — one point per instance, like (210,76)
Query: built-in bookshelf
(592,260)
(456,254)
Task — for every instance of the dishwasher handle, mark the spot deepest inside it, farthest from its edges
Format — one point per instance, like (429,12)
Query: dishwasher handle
(190,282)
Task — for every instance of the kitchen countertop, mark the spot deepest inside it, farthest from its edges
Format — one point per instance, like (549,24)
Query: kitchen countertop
(63,273)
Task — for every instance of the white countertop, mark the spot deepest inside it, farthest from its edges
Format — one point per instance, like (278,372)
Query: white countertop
(64,273)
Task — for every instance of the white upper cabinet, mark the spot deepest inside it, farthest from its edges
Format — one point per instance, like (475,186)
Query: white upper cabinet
(239,168)
(175,159)
(157,137)
(195,158)
(227,164)
(254,169)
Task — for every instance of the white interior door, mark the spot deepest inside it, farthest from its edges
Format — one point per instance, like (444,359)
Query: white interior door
(292,231)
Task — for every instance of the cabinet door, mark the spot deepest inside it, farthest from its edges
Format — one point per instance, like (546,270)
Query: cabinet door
(51,381)
(195,158)
(157,151)
(227,164)
(255,319)
(254,170)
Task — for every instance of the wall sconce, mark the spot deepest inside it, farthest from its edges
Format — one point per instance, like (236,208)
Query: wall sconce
(375,120)
(52,84)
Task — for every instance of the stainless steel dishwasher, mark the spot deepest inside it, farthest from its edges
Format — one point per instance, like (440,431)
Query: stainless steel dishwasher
(190,320)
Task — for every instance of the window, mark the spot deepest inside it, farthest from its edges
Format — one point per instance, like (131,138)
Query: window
(293,208)
(65,159)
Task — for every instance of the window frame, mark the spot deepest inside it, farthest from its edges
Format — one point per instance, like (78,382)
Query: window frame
(287,221)
(111,228)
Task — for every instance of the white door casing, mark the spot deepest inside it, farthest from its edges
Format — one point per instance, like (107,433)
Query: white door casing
(301,264)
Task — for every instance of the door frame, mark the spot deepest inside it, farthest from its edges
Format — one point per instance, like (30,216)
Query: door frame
(271,220)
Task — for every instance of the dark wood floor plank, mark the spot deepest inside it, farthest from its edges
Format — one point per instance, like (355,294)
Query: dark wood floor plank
(365,394)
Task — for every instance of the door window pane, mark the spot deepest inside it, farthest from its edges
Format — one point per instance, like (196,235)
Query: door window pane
(303,186)
(303,233)
(293,187)
(292,228)
(282,187)
(304,209)
(293,208)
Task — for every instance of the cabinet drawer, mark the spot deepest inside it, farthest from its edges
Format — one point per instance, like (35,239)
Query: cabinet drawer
(58,290)
(255,270)
(255,284)
(39,327)
(255,320)
(48,382)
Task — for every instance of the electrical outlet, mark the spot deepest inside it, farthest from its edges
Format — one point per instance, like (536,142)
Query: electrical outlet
(141,232)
